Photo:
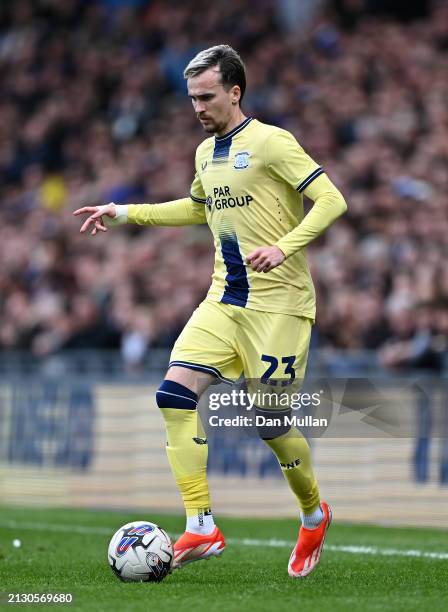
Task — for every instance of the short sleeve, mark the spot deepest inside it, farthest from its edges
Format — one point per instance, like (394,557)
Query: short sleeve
(286,160)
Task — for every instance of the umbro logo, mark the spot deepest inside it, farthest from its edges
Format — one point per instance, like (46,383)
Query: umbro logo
(200,440)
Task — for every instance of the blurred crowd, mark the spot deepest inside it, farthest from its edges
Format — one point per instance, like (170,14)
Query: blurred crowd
(94,109)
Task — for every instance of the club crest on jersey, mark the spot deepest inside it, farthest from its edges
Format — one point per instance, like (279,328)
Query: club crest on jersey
(241,160)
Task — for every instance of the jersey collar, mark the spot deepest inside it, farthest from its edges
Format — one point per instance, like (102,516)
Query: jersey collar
(235,130)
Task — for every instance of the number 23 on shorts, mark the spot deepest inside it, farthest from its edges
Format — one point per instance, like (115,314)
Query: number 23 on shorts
(284,373)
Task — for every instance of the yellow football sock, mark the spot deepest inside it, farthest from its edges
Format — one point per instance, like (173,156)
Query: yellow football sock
(187,452)
(294,456)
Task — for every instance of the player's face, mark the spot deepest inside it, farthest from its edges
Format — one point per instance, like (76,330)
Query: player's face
(212,103)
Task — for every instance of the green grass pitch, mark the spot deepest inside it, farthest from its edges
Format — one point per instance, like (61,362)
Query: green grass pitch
(66,551)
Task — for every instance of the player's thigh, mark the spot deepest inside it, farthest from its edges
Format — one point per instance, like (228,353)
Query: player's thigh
(274,348)
(207,344)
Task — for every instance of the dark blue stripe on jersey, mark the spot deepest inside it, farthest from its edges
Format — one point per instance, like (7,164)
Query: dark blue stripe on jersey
(304,184)
(199,200)
(223,143)
(171,394)
(221,150)
(236,291)
(235,130)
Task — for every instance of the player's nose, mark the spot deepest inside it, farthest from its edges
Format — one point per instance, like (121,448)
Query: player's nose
(199,107)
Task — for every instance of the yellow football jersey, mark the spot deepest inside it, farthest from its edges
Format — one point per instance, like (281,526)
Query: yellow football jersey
(251,182)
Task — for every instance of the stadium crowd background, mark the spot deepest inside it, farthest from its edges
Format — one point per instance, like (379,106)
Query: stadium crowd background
(93,109)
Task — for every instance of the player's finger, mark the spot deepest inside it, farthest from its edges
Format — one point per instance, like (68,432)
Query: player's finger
(85,209)
(257,258)
(93,232)
(253,255)
(85,225)
(260,267)
(100,225)
(260,261)
(267,265)
(97,214)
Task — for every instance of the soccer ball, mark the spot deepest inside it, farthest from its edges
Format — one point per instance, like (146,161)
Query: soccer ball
(140,552)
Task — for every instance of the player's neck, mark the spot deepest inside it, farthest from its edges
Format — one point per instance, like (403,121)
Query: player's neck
(234,122)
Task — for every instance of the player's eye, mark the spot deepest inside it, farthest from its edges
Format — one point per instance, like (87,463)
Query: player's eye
(204,98)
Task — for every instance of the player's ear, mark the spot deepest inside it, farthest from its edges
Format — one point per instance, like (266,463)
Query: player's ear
(235,94)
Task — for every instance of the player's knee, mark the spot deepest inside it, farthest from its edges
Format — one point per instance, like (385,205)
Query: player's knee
(272,423)
(171,394)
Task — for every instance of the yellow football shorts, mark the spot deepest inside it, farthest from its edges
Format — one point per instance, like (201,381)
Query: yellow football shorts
(227,340)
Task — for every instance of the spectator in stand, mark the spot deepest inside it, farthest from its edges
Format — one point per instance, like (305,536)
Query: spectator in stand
(91,112)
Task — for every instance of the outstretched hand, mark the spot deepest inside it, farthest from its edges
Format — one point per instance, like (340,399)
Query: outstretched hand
(264,259)
(96,217)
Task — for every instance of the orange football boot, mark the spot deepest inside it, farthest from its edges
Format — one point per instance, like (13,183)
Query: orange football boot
(306,554)
(193,547)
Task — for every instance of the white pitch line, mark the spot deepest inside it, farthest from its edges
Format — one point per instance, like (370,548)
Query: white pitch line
(356,550)
(271,543)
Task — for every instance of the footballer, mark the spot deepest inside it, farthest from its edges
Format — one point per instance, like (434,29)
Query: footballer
(256,319)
